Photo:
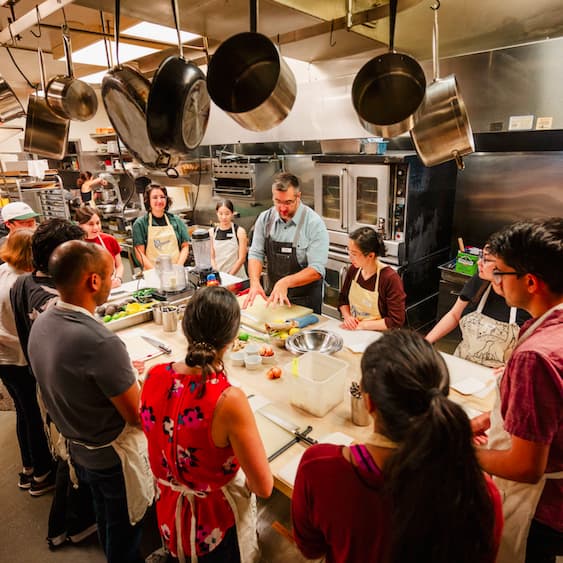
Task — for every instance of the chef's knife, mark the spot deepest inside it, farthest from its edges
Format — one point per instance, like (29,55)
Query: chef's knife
(290,427)
(154,342)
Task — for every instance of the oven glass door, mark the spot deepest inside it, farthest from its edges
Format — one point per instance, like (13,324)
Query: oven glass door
(368,195)
(336,270)
(330,196)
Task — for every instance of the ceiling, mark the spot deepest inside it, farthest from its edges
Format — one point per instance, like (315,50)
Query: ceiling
(308,30)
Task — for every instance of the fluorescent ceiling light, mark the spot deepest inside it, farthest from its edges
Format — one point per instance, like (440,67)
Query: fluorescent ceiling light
(95,54)
(161,33)
(95,78)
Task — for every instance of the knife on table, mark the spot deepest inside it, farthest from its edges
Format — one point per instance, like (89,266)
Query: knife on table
(286,425)
(157,343)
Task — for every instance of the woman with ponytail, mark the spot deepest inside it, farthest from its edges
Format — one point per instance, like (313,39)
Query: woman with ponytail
(202,436)
(414,492)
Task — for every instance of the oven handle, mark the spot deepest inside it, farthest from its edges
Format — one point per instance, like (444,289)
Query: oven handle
(341,200)
(342,276)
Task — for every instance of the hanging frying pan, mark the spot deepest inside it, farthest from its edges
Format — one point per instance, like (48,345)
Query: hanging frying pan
(388,91)
(178,105)
(248,78)
(125,92)
(443,131)
(46,133)
(67,96)
(10,106)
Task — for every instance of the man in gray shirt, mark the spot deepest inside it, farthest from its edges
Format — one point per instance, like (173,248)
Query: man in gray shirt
(89,387)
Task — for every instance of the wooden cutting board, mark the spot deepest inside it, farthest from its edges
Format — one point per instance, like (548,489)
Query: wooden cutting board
(258,315)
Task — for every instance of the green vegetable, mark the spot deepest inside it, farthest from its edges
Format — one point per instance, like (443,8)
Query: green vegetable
(107,318)
(243,336)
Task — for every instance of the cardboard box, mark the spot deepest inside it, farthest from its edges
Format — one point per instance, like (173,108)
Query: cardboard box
(466,263)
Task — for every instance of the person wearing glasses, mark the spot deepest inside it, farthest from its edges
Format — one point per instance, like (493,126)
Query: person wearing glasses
(293,241)
(525,427)
(489,328)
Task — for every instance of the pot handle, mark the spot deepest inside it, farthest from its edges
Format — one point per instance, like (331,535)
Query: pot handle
(41,70)
(392,18)
(68,51)
(177,24)
(435,57)
(458,160)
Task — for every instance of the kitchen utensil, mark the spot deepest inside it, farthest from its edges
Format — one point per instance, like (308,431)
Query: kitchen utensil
(67,96)
(169,318)
(10,106)
(322,341)
(157,313)
(388,91)
(178,104)
(460,244)
(201,246)
(359,413)
(46,133)
(237,358)
(160,345)
(252,362)
(442,131)
(125,92)
(249,79)
(286,425)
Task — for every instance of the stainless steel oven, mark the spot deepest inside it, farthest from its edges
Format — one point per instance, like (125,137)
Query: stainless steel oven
(336,270)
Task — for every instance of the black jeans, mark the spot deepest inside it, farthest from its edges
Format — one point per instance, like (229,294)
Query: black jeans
(32,440)
(544,544)
(120,540)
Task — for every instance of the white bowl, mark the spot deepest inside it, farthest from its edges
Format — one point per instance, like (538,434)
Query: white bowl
(251,349)
(237,358)
(252,362)
(269,359)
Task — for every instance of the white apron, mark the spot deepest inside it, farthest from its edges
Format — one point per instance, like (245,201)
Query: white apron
(226,253)
(131,448)
(519,500)
(161,240)
(243,505)
(485,340)
(364,304)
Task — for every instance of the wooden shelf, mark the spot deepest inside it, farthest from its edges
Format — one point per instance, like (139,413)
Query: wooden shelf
(103,137)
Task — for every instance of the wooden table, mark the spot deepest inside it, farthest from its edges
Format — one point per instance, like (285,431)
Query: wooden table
(277,391)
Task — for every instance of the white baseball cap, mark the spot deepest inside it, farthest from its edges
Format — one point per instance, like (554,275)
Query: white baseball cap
(17,211)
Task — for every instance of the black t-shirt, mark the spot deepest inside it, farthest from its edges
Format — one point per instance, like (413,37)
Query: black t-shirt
(227,234)
(495,306)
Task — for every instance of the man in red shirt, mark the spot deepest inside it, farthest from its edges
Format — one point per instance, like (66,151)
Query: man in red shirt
(525,442)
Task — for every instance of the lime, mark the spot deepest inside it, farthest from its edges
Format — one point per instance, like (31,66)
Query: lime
(107,318)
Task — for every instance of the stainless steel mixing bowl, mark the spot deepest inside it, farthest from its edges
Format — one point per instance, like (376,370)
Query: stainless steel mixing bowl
(314,341)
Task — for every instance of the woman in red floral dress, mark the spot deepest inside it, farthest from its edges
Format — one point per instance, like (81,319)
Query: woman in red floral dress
(200,432)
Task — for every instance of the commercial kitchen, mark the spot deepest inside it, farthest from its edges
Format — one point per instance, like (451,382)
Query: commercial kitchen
(430,184)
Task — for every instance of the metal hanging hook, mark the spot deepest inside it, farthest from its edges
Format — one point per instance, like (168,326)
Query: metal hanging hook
(436,5)
(331,40)
(36,35)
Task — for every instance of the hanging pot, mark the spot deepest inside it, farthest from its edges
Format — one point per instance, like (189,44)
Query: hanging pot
(69,97)
(10,106)
(388,90)
(46,133)
(442,131)
(125,92)
(178,104)
(248,78)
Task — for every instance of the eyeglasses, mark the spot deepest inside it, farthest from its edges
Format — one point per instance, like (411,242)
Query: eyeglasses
(287,202)
(484,257)
(497,276)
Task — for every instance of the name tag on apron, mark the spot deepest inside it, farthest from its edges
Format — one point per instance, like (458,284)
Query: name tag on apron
(286,250)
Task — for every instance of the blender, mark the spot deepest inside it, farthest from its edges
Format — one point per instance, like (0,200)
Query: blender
(201,246)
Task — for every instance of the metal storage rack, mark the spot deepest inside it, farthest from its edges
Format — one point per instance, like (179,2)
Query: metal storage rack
(46,197)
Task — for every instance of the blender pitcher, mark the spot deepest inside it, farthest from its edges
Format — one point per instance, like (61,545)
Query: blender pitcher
(201,245)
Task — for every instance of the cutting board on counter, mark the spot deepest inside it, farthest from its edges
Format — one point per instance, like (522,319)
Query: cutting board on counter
(259,314)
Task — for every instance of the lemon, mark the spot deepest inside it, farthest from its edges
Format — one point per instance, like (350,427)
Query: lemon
(293,331)
(283,335)
(132,308)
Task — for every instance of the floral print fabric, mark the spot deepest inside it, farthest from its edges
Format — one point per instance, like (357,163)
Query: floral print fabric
(181,451)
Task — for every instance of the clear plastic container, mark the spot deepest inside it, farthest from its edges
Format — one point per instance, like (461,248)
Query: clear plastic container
(201,245)
(317,382)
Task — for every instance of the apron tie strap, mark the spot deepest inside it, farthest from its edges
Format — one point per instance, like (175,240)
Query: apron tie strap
(185,492)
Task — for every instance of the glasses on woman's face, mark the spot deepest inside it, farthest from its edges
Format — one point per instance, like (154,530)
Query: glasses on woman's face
(484,257)
(498,275)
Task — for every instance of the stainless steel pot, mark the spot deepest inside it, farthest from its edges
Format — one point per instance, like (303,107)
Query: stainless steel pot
(10,106)
(388,91)
(46,134)
(442,131)
(69,97)
(248,78)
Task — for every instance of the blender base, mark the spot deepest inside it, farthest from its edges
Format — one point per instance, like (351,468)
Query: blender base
(198,277)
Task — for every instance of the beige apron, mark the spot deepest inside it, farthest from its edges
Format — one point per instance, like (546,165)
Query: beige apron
(226,253)
(519,500)
(364,304)
(243,505)
(161,240)
(131,448)
(485,340)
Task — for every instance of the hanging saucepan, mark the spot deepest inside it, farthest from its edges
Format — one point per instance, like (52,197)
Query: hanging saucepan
(388,90)
(442,131)
(46,134)
(178,105)
(67,96)
(248,78)
(125,92)
(10,106)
